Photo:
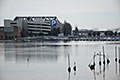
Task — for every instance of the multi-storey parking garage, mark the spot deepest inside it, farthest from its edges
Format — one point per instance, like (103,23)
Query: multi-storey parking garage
(38,29)
(39,25)
(35,25)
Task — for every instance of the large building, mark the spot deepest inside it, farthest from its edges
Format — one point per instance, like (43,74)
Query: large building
(33,25)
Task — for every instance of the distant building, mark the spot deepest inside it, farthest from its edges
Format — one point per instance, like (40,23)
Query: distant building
(12,29)
(84,32)
(93,33)
(33,25)
(8,32)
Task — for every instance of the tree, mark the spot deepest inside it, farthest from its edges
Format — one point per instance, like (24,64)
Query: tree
(67,28)
(76,29)
(108,33)
(24,33)
(89,34)
(98,33)
(119,34)
(94,34)
(58,30)
(55,31)
(115,33)
(76,32)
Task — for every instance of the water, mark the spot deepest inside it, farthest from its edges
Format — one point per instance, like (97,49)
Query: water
(49,61)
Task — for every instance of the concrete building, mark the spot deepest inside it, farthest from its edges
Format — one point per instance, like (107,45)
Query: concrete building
(8,32)
(12,29)
(36,26)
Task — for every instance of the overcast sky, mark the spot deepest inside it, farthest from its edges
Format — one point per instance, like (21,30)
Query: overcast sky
(101,14)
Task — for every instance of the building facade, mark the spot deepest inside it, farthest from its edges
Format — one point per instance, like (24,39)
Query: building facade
(36,26)
(32,25)
(12,29)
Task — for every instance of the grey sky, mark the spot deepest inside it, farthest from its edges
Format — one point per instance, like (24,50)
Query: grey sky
(100,14)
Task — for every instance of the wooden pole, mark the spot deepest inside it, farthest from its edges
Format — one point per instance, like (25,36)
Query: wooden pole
(103,56)
(100,61)
(68,60)
(116,53)
(69,68)
(100,58)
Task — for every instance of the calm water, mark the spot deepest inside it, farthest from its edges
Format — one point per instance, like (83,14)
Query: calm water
(49,61)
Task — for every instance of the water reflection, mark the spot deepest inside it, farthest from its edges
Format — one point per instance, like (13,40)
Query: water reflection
(28,53)
(51,61)
(119,69)
(116,67)
(68,76)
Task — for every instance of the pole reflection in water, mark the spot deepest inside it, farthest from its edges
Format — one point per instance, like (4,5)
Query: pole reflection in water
(116,67)
(119,69)
(68,76)
(103,71)
(94,74)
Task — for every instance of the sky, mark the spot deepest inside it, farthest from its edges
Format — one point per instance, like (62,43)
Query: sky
(85,14)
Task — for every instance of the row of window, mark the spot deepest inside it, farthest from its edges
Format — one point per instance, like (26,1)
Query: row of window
(38,30)
(39,24)
(39,27)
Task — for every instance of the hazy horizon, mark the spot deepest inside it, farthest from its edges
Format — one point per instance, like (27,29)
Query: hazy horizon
(86,14)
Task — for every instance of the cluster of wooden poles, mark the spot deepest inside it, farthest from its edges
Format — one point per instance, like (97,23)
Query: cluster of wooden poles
(69,67)
(117,55)
(117,59)
(105,60)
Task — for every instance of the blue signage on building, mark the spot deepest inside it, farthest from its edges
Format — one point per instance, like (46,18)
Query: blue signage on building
(53,23)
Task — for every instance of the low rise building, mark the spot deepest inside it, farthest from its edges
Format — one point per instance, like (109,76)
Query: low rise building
(93,33)
(8,32)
